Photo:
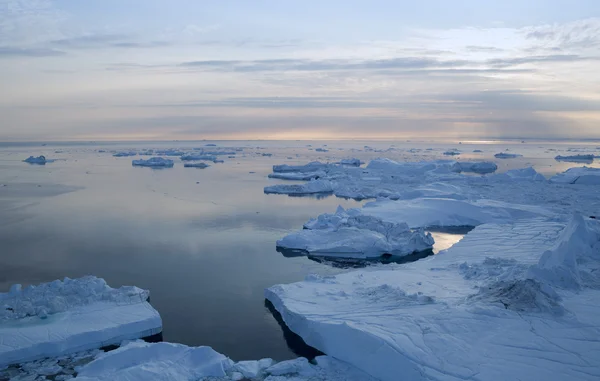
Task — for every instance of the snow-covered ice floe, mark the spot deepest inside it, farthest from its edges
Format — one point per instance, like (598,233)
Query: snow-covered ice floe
(584,176)
(140,361)
(62,317)
(196,165)
(506,155)
(36,160)
(156,162)
(588,159)
(350,234)
(310,167)
(304,176)
(509,301)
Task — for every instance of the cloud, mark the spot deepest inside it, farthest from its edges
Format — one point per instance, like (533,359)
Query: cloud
(95,41)
(580,34)
(483,49)
(9,52)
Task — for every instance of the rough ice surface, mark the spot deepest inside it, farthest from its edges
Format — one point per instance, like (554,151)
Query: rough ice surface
(580,176)
(509,301)
(576,158)
(153,162)
(36,160)
(506,155)
(196,165)
(311,187)
(62,317)
(354,235)
(140,361)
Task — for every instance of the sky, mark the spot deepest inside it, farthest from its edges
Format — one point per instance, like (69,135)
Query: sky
(273,69)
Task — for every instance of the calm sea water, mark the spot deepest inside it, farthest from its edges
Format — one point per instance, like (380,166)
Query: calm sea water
(202,240)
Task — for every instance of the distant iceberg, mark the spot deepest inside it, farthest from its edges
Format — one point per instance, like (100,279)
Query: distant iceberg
(169,152)
(156,162)
(505,155)
(321,150)
(36,160)
(481,167)
(191,157)
(310,167)
(588,159)
(452,153)
(351,162)
(125,154)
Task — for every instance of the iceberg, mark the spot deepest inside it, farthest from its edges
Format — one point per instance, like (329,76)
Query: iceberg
(169,152)
(505,155)
(192,157)
(125,154)
(353,235)
(311,187)
(321,150)
(73,315)
(155,162)
(580,176)
(36,160)
(522,174)
(452,153)
(588,159)
(509,301)
(196,165)
(140,361)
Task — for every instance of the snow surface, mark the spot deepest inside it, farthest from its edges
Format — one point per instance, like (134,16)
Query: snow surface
(580,176)
(140,361)
(354,235)
(509,301)
(576,158)
(62,317)
(153,162)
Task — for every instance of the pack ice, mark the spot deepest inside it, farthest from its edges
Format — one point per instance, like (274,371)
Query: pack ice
(510,301)
(156,162)
(62,317)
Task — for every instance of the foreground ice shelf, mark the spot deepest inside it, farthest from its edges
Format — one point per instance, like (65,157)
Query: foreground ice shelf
(62,317)
(510,301)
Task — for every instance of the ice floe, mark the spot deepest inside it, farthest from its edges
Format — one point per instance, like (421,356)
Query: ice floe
(351,162)
(62,317)
(509,301)
(155,162)
(588,159)
(305,176)
(481,167)
(310,167)
(350,234)
(311,187)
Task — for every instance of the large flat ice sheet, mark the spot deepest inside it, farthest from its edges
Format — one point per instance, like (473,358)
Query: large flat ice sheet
(493,307)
